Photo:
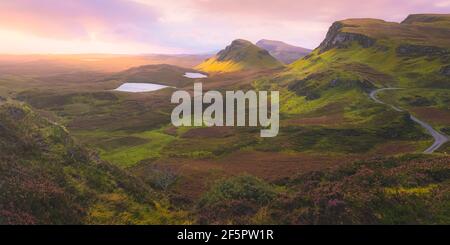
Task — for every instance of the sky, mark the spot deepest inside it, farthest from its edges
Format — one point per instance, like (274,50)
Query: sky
(181,26)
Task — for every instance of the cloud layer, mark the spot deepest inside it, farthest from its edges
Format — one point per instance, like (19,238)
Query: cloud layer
(188,26)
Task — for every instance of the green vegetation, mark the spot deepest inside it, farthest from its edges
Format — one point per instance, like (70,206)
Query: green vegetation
(46,178)
(406,190)
(125,149)
(419,100)
(235,199)
(357,56)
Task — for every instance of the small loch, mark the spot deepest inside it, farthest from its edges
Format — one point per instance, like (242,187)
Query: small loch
(139,87)
(194,75)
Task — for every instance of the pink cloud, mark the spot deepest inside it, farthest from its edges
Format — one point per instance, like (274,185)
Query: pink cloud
(301,22)
(324,10)
(76,18)
(196,25)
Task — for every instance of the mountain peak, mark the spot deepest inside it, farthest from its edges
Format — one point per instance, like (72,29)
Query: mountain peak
(241,42)
(236,51)
(282,51)
(239,55)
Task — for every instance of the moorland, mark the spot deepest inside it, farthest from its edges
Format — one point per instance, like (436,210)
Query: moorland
(74,151)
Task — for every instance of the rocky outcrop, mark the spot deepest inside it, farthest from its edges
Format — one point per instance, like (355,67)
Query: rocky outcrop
(414,50)
(445,71)
(303,87)
(364,84)
(337,38)
(315,84)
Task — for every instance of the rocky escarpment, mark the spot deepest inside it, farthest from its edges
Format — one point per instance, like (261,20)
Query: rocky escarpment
(309,87)
(420,50)
(445,71)
(337,38)
(425,18)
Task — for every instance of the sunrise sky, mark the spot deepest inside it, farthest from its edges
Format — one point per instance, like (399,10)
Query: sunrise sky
(181,26)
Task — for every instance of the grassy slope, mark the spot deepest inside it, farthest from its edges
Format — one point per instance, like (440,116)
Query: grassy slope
(383,56)
(46,178)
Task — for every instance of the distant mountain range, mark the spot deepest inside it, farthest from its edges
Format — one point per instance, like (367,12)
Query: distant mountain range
(239,55)
(282,51)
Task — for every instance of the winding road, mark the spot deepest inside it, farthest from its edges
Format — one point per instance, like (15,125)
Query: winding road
(439,138)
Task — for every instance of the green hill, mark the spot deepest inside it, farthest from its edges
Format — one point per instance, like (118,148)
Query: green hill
(358,56)
(239,55)
(369,53)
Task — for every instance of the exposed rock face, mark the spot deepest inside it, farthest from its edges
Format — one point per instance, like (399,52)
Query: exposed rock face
(303,88)
(419,50)
(312,90)
(445,71)
(336,38)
